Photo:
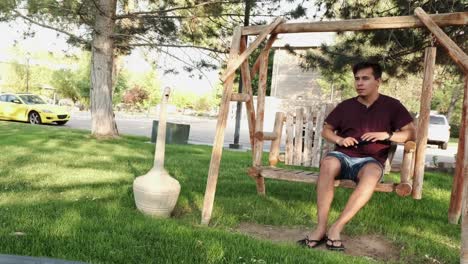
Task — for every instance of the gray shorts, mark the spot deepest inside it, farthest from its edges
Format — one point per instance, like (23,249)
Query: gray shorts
(350,166)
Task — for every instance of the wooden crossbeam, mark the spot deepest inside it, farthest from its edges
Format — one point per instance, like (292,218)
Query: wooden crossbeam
(238,61)
(240,97)
(269,136)
(267,47)
(442,20)
(455,52)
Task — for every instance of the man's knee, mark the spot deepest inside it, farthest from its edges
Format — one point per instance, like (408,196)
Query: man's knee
(330,162)
(330,167)
(371,170)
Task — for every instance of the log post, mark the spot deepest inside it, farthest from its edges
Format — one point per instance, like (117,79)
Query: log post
(404,188)
(391,154)
(258,149)
(457,185)
(219,136)
(423,121)
(247,84)
(464,225)
(275,144)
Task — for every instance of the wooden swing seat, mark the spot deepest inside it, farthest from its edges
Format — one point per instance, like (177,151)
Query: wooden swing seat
(312,177)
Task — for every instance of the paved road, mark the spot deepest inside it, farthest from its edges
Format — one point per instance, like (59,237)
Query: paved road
(202,131)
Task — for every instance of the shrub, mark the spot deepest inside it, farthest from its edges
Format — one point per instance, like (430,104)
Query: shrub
(203,104)
(135,96)
(454,130)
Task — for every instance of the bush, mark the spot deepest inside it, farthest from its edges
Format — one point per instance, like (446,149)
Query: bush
(454,130)
(203,104)
(135,96)
(183,100)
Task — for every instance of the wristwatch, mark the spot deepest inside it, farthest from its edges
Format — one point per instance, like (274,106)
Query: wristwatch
(390,134)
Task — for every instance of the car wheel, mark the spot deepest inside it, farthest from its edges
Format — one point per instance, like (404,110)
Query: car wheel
(61,123)
(444,145)
(34,118)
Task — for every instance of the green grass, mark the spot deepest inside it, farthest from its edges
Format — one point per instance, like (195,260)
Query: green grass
(72,197)
(453,141)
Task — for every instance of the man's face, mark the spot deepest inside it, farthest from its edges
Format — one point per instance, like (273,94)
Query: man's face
(365,82)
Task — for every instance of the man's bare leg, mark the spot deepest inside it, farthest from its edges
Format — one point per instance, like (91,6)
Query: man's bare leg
(369,176)
(329,169)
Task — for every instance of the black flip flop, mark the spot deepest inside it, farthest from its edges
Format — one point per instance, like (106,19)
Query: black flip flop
(332,246)
(306,242)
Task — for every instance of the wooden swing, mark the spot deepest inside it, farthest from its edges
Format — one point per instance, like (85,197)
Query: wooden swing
(413,161)
(303,148)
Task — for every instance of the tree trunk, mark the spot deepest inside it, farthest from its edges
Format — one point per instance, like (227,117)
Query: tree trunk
(456,93)
(102,115)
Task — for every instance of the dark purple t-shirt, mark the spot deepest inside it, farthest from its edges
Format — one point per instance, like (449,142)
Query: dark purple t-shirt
(351,118)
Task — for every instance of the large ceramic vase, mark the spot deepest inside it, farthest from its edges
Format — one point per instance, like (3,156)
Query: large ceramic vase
(156,192)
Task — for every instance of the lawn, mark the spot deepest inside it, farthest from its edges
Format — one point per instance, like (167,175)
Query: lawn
(66,195)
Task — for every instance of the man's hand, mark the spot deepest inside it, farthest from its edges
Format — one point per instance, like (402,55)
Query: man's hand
(347,142)
(375,136)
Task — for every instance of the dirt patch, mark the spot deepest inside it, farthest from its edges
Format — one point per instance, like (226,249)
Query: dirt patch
(370,246)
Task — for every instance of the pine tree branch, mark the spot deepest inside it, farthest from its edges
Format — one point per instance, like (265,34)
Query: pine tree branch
(184,62)
(80,39)
(155,16)
(220,25)
(174,46)
(149,43)
(135,14)
(98,8)
(395,56)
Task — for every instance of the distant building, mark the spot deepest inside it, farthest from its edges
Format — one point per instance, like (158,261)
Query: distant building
(290,82)
(291,86)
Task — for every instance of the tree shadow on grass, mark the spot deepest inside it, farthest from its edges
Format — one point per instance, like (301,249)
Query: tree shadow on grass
(108,230)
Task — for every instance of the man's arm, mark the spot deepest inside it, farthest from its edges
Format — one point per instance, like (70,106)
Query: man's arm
(408,132)
(328,133)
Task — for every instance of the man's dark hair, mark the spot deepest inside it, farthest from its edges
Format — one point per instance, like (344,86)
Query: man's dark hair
(376,68)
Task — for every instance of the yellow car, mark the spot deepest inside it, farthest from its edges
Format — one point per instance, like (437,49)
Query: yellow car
(31,108)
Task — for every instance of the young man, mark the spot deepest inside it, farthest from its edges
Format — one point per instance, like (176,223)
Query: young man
(364,125)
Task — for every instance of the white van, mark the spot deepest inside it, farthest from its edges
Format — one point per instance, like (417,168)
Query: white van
(439,131)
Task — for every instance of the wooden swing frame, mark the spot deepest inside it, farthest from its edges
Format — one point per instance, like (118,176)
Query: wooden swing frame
(238,58)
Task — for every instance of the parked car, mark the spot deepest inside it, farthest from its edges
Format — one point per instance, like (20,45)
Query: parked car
(31,108)
(439,131)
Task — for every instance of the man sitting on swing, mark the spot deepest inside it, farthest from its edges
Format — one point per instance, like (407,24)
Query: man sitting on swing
(365,126)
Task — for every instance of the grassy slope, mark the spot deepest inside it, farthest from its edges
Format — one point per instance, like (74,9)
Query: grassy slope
(72,197)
